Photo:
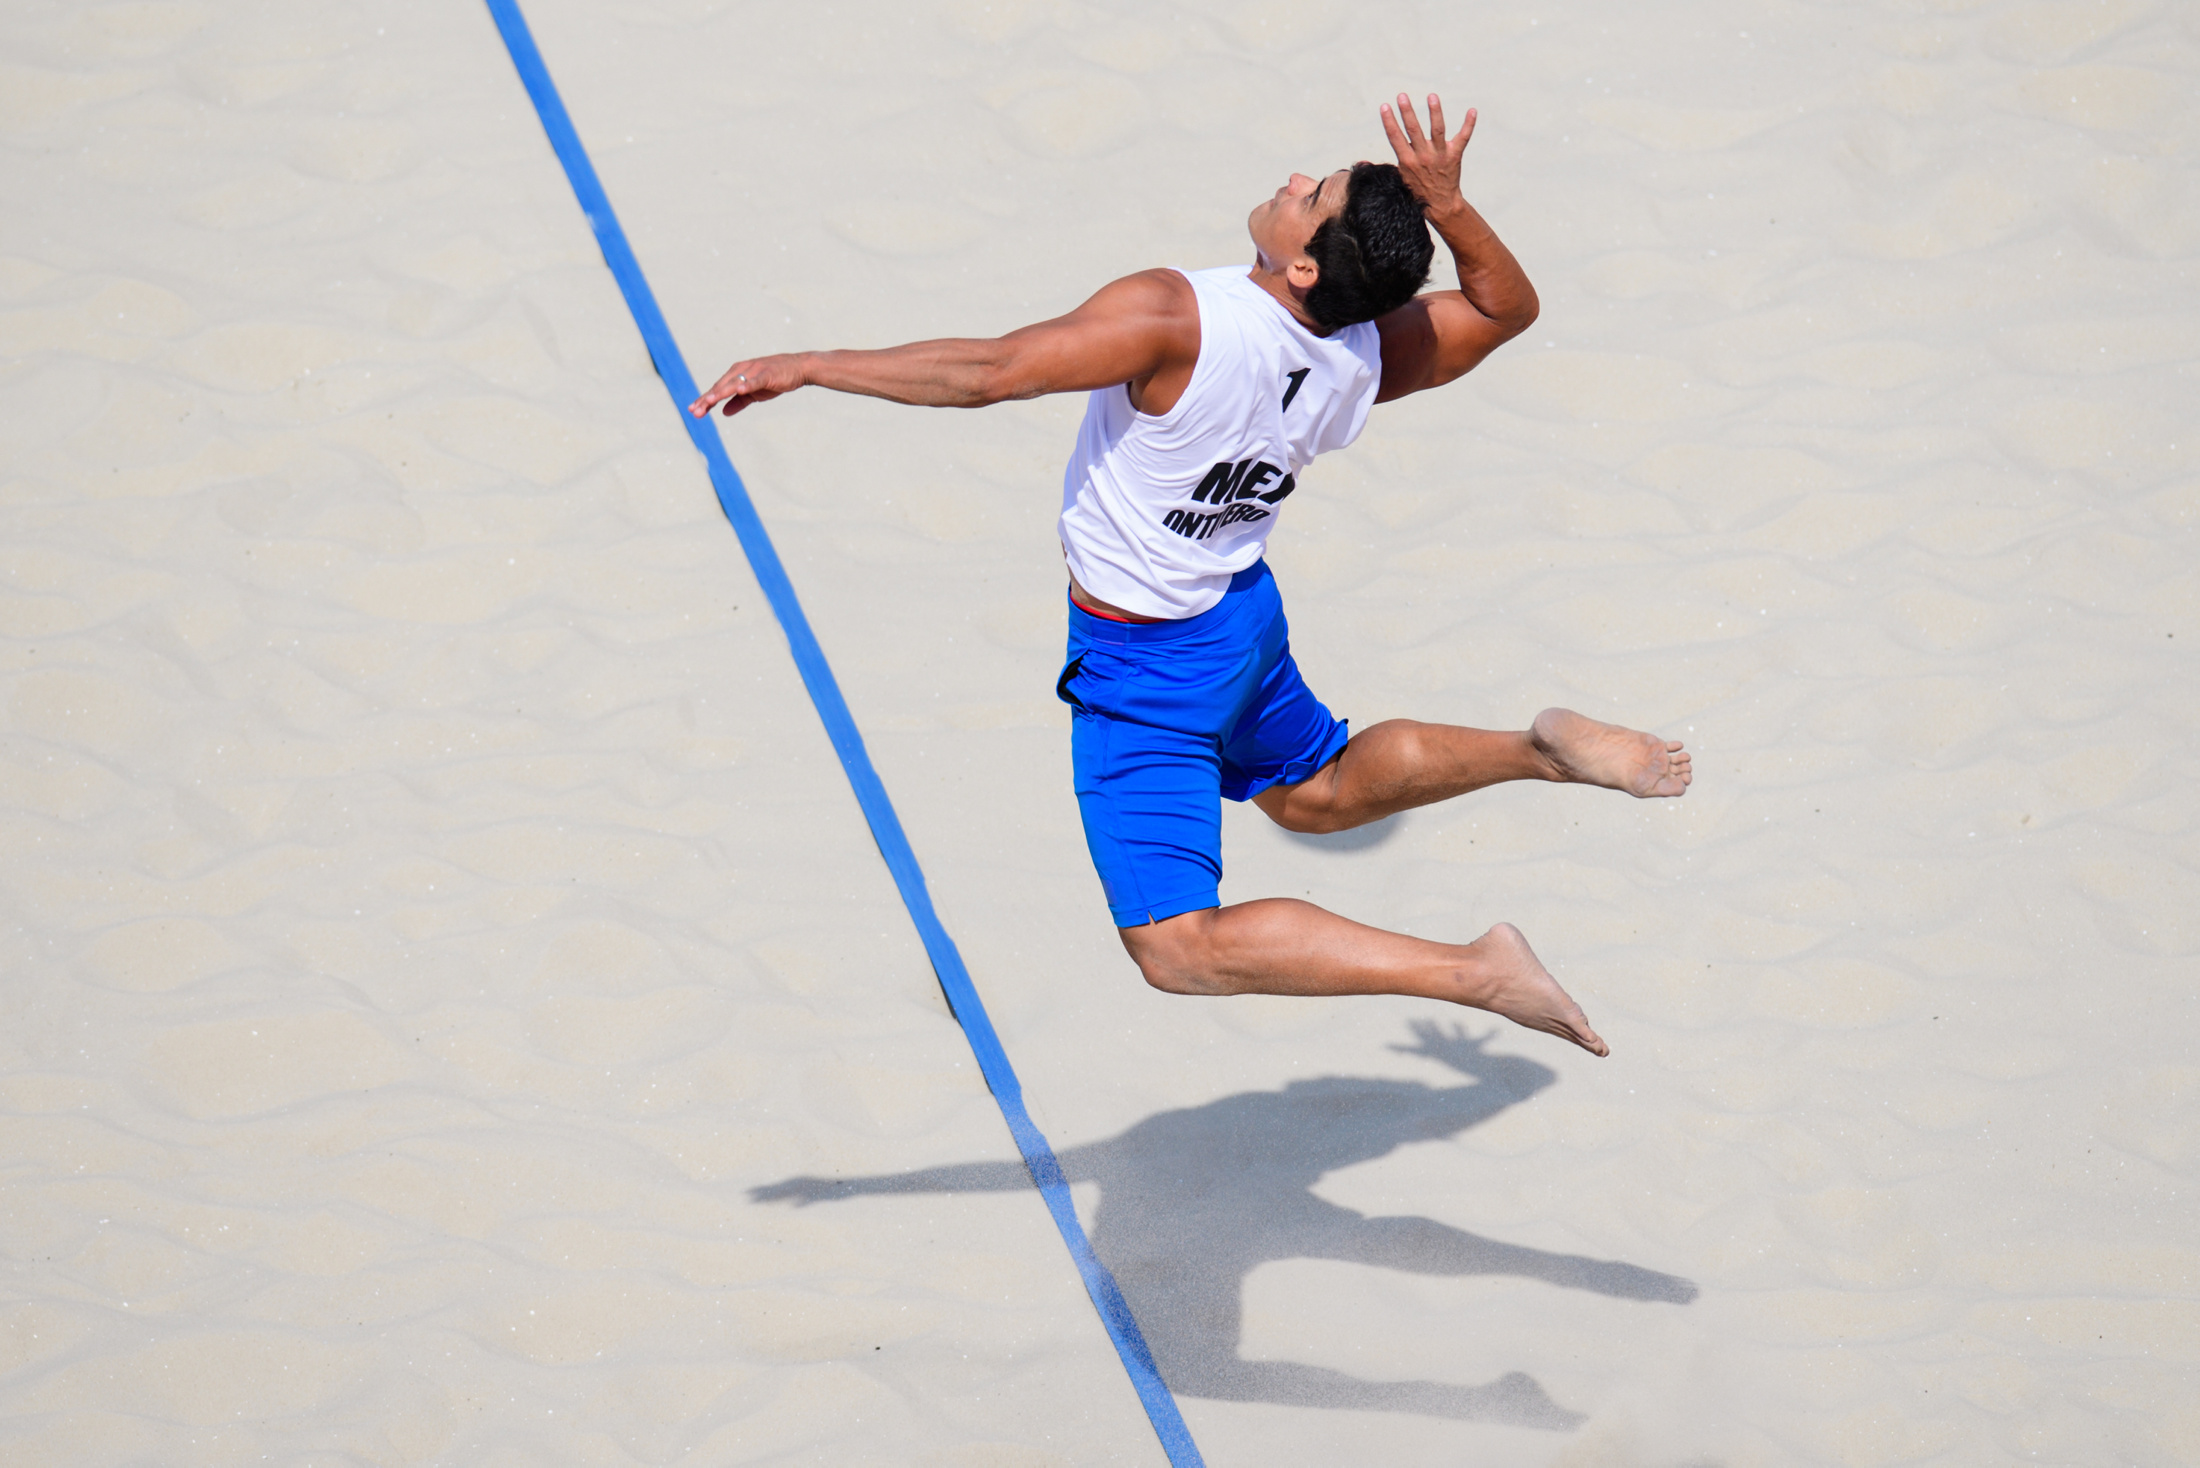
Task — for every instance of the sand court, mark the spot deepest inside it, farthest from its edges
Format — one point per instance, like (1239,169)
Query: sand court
(456,1013)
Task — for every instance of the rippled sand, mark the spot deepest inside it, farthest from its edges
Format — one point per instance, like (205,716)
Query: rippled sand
(454,1012)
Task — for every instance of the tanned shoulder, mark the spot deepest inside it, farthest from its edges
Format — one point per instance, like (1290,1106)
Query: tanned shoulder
(1162,295)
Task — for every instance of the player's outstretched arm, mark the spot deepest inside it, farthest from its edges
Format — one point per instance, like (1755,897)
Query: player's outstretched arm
(1442,335)
(1132,329)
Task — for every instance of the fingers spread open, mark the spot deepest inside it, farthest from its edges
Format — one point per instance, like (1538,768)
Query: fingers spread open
(1398,142)
(1409,118)
(1466,131)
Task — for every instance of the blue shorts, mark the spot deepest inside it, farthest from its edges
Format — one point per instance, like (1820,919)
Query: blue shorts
(1167,718)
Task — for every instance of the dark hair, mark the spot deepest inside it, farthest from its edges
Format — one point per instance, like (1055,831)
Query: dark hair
(1373,253)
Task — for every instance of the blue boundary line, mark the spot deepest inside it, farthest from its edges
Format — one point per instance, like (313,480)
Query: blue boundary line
(840,726)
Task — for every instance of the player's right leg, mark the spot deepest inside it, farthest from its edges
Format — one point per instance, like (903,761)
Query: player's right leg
(1400,764)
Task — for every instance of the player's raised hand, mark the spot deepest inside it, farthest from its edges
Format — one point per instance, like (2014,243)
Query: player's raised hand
(757,380)
(1429,162)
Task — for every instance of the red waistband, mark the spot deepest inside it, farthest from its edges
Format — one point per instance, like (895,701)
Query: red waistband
(1103,616)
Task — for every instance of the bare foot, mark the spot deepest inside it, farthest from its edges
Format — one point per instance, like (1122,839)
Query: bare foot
(1589,753)
(1510,980)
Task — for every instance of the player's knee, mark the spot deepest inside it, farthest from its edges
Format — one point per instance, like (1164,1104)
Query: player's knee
(1174,978)
(1311,818)
(1172,955)
(1309,809)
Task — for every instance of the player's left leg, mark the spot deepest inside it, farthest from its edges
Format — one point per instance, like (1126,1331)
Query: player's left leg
(1399,764)
(1279,945)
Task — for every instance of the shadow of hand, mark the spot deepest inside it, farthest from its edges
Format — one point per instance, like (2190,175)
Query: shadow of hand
(1452,1046)
(800,1191)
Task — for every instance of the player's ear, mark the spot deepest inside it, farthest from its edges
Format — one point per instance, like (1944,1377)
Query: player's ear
(1303,272)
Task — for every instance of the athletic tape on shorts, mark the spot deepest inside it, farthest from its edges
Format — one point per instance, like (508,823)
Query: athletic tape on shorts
(840,726)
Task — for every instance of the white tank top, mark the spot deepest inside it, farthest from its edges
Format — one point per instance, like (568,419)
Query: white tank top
(1159,512)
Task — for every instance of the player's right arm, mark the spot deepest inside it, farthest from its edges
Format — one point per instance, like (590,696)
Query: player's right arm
(1142,330)
(1440,336)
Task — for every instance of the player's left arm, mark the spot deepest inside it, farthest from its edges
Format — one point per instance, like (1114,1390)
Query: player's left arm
(1440,336)
(1130,330)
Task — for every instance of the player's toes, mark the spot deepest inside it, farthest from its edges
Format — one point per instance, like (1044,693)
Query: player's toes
(1576,1028)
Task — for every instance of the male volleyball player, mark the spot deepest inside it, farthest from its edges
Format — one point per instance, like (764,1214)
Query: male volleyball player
(1211,392)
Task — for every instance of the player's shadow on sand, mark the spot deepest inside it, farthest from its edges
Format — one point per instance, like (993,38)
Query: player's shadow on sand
(1191,1201)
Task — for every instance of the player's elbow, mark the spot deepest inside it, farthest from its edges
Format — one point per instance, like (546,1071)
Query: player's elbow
(1523,314)
(987,386)
(1001,375)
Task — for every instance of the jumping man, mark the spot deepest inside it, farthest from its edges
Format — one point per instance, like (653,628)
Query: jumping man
(1211,392)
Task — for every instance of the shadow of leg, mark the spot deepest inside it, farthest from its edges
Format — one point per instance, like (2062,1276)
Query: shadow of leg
(1424,1246)
(1514,1399)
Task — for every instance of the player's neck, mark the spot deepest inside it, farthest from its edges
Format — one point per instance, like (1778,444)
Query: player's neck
(1274,282)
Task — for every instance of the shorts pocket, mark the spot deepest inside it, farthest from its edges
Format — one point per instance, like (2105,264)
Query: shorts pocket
(1091,680)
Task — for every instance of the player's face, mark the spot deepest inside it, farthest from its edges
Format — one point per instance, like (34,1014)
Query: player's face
(1283,224)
